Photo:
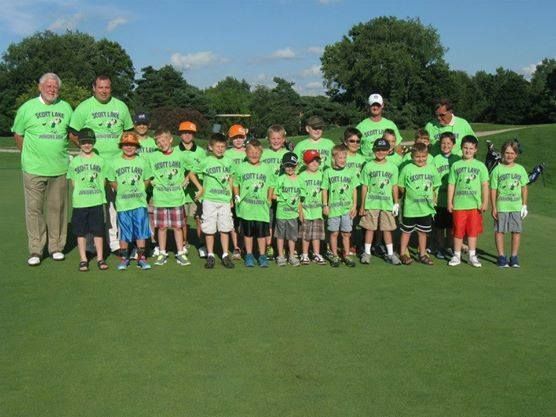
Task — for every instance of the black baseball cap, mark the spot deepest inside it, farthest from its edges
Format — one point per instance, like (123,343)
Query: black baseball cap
(381,145)
(86,135)
(315,122)
(141,119)
(289,159)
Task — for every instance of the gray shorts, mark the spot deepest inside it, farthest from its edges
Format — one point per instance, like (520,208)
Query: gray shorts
(508,222)
(286,229)
(341,223)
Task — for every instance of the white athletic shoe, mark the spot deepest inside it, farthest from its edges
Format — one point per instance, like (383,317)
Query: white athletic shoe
(474,261)
(58,256)
(34,260)
(455,261)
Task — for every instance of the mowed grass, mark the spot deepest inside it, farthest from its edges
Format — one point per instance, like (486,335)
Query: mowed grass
(313,341)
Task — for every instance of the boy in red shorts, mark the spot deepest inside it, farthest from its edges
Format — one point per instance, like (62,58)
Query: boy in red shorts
(467,200)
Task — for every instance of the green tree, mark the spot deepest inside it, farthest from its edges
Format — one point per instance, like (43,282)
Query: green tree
(543,88)
(230,96)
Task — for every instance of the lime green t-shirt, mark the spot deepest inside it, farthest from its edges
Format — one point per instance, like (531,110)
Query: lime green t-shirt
(355,162)
(130,175)
(468,177)
(311,195)
(508,181)
(372,131)
(148,145)
(236,156)
(443,165)
(288,191)
(459,128)
(45,131)
(168,173)
(419,184)
(273,159)
(323,146)
(340,184)
(88,176)
(193,157)
(253,181)
(107,120)
(379,179)
(395,158)
(216,174)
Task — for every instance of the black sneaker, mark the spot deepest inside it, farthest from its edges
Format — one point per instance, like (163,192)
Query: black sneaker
(227,262)
(210,262)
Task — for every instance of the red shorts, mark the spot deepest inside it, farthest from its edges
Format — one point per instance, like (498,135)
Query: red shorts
(467,223)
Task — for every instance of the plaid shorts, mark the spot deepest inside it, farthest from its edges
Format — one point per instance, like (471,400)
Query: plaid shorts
(169,217)
(312,229)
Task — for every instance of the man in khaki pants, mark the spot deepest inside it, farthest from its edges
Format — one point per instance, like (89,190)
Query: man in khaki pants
(41,133)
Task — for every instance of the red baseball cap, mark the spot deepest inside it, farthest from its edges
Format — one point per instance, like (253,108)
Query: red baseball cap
(310,155)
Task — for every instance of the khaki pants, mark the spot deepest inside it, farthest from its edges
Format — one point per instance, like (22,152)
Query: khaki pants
(53,223)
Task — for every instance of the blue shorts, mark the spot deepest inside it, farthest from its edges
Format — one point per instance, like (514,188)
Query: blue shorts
(134,224)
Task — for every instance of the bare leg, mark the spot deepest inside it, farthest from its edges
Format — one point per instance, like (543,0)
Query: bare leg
(516,238)
(280,244)
(499,240)
(305,247)
(224,242)
(404,241)
(346,242)
(209,240)
(99,246)
(248,245)
(261,241)
(291,246)
(472,242)
(178,236)
(82,246)
(334,243)
(162,238)
(316,246)
(422,237)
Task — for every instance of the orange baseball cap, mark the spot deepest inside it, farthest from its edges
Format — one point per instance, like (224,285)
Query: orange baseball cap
(187,127)
(129,138)
(236,130)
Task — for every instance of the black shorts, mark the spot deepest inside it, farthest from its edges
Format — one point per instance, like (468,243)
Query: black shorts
(254,228)
(272,214)
(421,224)
(87,220)
(443,218)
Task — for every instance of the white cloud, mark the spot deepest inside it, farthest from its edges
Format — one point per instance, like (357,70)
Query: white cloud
(315,50)
(67,22)
(314,85)
(529,70)
(286,53)
(114,23)
(313,71)
(195,60)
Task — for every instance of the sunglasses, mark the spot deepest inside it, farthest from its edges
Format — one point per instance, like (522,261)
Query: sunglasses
(441,114)
(354,141)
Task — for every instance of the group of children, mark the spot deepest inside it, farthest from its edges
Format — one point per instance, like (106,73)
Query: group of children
(259,199)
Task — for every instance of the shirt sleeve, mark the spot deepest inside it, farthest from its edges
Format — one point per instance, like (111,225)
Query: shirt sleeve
(78,118)
(483,173)
(494,179)
(19,122)
(452,175)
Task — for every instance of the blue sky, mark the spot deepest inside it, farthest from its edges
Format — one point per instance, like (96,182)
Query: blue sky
(257,40)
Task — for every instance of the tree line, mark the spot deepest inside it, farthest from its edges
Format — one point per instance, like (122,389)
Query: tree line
(401,59)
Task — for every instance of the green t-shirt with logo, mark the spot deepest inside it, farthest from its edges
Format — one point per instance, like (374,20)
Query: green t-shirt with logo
(194,158)
(355,162)
(148,145)
(288,192)
(311,195)
(88,176)
(130,175)
(371,131)
(395,158)
(168,173)
(340,183)
(379,179)
(107,120)
(323,146)
(443,165)
(253,181)
(216,174)
(419,184)
(273,159)
(468,177)
(508,181)
(45,131)
(236,156)
(460,128)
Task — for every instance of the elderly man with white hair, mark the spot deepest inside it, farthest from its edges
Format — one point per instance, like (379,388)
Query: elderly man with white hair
(41,133)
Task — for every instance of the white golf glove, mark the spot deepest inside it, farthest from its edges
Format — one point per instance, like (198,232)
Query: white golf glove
(524,212)
(237,198)
(395,209)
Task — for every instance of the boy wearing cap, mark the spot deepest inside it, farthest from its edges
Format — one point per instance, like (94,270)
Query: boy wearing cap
(287,194)
(314,127)
(237,135)
(393,155)
(216,170)
(339,199)
(141,126)
(194,155)
(253,190)
(129,175)
(168,167)
(379,194)
(87,173)
(373,127)
(312,223)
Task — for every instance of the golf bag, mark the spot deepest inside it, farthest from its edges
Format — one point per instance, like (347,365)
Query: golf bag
(536,173)
(493,158)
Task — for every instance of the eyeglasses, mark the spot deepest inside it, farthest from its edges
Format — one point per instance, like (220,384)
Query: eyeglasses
(441,114)
(354,141)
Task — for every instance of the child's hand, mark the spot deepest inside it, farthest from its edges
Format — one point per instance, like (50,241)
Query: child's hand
(450,207)
(353,212)
(326,210)
(494,213)
(199,194)
(301,216)
(362,211)
(524,211)
(185,182)
(484,207)
(395,210)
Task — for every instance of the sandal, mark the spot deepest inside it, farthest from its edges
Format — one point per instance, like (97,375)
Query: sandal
(425,259)
(83,266)
(102,265)
(406,259)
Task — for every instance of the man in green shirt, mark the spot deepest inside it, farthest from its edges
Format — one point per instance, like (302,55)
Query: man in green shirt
(446,121)
(108,117)
(40,132)
(373,127)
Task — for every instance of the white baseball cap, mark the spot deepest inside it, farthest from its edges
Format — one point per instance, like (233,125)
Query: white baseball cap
(376,98)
